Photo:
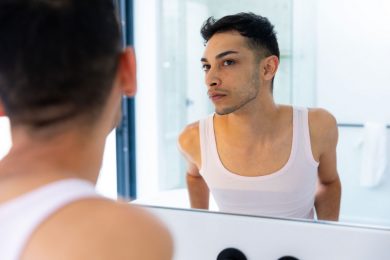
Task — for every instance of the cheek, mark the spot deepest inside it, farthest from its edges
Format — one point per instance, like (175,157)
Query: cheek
(243,81)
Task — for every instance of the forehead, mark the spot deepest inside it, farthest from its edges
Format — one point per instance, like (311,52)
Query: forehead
(225,41)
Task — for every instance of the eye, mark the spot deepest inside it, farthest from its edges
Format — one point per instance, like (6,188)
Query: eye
(205,67)
(228,62)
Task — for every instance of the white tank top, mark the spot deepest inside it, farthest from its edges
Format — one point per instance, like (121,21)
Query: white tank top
(288,192)
(21,216)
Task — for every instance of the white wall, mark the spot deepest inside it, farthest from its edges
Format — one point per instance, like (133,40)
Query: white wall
(146,46)
(353,59)
(353,82)
(304,37)
(360,204)
(199,105)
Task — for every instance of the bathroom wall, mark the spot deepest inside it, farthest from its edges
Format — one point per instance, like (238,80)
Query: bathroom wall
(352,82)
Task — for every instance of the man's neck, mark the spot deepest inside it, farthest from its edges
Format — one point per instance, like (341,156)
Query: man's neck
(68,155)
(260,118)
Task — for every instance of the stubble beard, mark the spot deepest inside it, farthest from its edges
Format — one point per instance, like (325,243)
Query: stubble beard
(251,95)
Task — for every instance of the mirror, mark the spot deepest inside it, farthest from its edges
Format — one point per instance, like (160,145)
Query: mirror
(333,55)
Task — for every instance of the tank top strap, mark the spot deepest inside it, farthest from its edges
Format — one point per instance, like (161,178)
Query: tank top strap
(303,134)
(38,204)
(206,135)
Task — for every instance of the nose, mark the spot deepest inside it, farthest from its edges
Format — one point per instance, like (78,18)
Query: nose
(212,79)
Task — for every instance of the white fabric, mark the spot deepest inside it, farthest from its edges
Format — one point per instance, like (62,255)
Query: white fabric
(288,192)
(374,154)
(20,217)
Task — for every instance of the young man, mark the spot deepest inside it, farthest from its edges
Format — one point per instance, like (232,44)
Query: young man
(255,156)
(62,76)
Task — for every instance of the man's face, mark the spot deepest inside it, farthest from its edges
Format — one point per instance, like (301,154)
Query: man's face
(231,72)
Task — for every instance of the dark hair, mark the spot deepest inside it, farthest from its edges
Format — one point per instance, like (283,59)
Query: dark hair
(58,59)
(259,31)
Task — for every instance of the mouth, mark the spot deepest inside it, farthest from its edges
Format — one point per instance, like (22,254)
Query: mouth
(216,96)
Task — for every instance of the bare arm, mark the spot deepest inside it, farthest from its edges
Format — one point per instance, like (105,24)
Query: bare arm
(328,195)
(197,190)
(190,148)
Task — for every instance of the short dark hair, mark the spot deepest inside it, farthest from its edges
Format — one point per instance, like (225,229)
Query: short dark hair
(259,31)
(58,59)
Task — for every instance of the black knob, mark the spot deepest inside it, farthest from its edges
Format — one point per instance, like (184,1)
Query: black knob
(231,254)
(288,258)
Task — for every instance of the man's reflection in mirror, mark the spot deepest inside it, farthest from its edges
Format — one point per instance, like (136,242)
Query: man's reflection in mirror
(256,156)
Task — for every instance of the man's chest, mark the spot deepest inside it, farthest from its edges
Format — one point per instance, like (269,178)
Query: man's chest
(255,159)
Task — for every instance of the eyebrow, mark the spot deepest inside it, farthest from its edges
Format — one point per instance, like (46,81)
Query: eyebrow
(221,55)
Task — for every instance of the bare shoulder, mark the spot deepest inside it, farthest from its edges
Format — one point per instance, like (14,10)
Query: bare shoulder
(101,229)
(189,136)
(131,232)
(321,119)
(323,127)
(189,143)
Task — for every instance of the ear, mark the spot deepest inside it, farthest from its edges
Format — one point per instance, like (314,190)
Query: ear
(270,66)
(127,72)
(2,111)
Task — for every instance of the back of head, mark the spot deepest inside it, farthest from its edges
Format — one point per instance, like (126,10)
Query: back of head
(259,31)
(58,59)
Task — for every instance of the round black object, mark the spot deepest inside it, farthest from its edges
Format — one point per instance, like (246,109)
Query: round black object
(231,254)
(288,258)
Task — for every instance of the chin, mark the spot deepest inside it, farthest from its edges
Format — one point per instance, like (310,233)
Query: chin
(223,112)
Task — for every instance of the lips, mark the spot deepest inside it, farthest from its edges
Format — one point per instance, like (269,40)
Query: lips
(215,95)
